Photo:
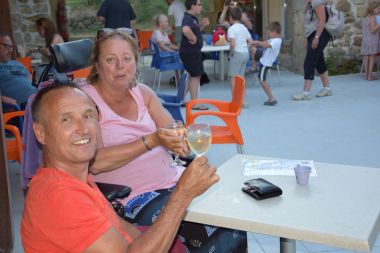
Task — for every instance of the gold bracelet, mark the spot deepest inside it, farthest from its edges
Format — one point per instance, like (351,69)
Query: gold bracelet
(145,143)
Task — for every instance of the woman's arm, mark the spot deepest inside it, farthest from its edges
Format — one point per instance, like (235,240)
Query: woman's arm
(372,24)
(321,14)
(162,118)
(163,47)
(111,158)
(222,18)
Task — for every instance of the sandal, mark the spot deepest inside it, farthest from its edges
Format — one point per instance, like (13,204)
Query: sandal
(200,107)
(270,103)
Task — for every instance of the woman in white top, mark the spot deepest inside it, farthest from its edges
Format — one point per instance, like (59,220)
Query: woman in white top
(160,35)
(161,38)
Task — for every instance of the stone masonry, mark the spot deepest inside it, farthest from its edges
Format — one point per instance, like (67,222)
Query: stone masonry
(24,13)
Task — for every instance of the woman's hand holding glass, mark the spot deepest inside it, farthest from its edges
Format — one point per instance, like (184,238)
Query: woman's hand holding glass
(176,141)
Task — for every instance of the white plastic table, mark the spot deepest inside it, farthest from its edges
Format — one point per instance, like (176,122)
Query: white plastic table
(340,207)
(210,48)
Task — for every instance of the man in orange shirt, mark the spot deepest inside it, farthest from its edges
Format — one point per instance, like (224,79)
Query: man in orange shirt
(64,210)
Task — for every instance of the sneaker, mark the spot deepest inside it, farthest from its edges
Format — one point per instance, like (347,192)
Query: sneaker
(324,92)
(301,96)
(270,103)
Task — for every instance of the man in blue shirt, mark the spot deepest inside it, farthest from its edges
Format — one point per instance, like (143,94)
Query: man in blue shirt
(117,13)
(15,84)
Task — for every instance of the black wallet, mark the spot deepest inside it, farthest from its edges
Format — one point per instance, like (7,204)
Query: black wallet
(260,188)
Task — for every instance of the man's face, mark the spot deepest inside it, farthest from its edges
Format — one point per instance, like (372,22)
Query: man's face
(6,48)
(68,127)
(168,2)
(197,8)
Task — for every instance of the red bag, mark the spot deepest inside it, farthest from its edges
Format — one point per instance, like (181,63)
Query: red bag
(219,38)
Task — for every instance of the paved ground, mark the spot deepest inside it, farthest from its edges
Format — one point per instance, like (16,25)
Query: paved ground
(343,128)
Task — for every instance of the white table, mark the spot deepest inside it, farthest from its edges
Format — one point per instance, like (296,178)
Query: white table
(340,207)
(210,48)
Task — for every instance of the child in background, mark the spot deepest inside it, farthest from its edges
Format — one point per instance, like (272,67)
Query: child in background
(267,57)
(239,37)
(370,39)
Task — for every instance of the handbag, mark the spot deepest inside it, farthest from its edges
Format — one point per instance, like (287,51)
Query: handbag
(260,188)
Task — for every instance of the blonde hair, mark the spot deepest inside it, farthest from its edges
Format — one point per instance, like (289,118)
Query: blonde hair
(159,18)
(93,77)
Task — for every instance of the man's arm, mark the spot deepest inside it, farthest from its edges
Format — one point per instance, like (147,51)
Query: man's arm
(8,100)
(186,30)
(101,19)
(133,25)
(195,180)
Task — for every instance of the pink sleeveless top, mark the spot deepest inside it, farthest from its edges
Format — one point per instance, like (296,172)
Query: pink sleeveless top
(149,171)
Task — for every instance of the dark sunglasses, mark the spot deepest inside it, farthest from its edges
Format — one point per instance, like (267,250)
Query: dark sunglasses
(7,46)
(105,31)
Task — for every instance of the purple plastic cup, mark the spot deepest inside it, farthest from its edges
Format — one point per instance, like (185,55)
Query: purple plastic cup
(302,174)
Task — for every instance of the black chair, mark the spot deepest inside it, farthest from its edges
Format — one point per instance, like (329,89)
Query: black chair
(67,57)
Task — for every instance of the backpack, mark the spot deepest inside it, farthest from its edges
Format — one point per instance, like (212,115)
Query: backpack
(334,21)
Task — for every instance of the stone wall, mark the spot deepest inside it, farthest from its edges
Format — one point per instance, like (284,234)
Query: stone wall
(347,46)
(24,13)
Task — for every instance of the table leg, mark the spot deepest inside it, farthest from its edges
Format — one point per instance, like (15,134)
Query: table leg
(221,65)
(287,245)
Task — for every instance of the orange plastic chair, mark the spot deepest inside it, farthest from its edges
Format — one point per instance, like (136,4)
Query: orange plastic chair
(82,73)
(27,62)
(144,37)
(13,145)
(226,111)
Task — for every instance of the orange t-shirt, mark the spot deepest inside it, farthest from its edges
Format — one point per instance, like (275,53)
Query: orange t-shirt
(63,214)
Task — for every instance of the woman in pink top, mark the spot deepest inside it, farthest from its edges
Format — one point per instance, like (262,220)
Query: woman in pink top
(135,144)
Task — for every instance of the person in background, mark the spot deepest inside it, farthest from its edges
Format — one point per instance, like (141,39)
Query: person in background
(272,50)
(15,83)
(224,17)
(64,210)
(176,10)
(239,37)
(160,35)
(117,13)
(317,38)
(161,38)
(191,45)
(48,31)
(370,39)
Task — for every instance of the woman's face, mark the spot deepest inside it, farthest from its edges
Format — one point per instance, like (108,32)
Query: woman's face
(164,23)
(41,31)
(116,65)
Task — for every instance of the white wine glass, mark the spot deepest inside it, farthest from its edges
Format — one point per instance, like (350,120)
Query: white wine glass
(177,126)
(199,138)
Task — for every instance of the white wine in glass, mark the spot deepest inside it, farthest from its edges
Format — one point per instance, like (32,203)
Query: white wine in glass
(199,138)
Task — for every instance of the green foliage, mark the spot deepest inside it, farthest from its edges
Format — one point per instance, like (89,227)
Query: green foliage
(146,10)
(341,67)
